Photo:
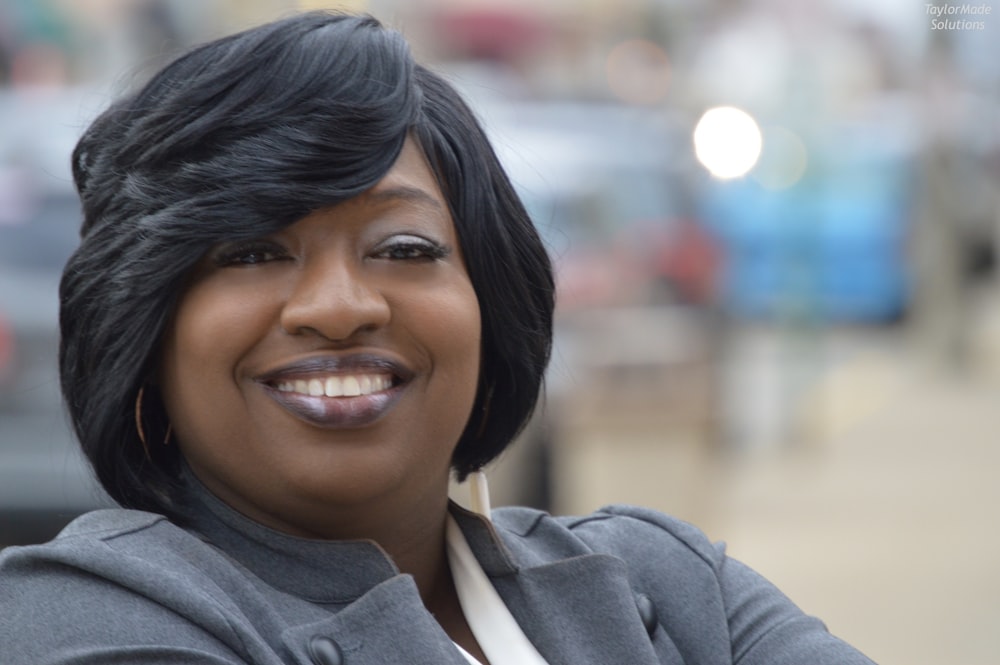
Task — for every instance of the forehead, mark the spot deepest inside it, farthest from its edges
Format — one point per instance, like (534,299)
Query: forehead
(408,193)
(410,178)
(409,186)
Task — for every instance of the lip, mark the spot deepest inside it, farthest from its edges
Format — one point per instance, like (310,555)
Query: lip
(337,412)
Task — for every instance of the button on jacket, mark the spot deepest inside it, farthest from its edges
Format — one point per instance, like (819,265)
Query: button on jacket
(622,586)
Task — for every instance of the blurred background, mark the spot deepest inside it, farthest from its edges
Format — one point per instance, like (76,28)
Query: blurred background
(775,225)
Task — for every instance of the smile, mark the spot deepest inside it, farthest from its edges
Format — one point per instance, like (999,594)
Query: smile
(335,392)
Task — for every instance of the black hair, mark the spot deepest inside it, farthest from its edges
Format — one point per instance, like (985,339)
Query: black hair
(242,137)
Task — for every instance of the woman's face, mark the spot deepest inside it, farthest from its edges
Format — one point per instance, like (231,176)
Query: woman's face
(323,375)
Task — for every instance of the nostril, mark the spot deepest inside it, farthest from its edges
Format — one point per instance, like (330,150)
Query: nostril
(333,310)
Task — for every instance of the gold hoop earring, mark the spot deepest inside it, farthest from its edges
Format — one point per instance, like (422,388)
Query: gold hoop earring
(138,421)
(485,408)
(140,430)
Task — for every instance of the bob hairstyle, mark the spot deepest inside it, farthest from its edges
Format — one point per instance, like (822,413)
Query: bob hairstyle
(242,137)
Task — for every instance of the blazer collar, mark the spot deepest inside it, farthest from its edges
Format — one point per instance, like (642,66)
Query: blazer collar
(538,575)
(540,571)
(298,566)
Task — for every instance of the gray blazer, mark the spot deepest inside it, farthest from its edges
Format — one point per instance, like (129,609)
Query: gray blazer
(623,586)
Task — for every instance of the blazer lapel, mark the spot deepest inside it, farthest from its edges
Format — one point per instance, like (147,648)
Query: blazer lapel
(577,607)
(581,611)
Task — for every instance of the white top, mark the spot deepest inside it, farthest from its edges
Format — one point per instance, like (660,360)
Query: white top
(494,627)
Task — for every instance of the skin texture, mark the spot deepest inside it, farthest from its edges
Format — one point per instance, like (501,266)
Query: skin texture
(356,280)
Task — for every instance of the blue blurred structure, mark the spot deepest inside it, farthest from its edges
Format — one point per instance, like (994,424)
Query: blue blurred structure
(833,247)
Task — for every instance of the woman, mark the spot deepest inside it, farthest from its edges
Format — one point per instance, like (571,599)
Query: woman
(305,294)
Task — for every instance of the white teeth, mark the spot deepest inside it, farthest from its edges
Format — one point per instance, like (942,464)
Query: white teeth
(338,386)
(352,387)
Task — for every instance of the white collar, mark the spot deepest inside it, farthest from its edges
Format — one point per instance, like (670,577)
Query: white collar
(494,627)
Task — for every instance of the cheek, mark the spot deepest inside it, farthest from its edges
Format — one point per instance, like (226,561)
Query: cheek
(457,335)
(453,329)
(209,334)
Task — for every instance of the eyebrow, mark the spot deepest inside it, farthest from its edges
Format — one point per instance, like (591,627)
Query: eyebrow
(404,193)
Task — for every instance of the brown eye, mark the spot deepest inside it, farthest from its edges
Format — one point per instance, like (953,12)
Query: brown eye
(250,253)
(411,248)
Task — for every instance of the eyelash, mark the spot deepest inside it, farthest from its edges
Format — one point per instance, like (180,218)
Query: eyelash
(242,254)
(406,248)
(412,248)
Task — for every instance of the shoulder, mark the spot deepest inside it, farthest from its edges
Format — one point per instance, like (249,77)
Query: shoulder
(109,520)
(702,597)
(108,523)
(621,530)
(623,527)
(109,544)
(666,558)
(104,531)
(669,564)
(112,577)
(105,549)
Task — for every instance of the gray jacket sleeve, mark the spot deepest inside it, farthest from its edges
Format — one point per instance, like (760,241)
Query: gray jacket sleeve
(704,597)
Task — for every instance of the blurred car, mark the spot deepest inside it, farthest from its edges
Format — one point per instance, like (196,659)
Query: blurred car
(605,185)
(44,480)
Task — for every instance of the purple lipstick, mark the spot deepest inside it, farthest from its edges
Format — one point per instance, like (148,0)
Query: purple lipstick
(338,391)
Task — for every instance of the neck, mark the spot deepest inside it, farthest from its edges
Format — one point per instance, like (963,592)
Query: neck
(412,535)
(409,528)
(417,546)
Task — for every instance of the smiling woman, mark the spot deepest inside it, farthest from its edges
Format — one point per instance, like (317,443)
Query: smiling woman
(306,295)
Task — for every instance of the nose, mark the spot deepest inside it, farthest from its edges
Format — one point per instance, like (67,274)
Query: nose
(333,298)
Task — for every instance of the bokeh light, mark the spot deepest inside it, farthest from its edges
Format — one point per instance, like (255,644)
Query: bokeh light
(727,142)
(783,160)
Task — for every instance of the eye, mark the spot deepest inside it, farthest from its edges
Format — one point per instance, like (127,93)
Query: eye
(249,253)
(406,247)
